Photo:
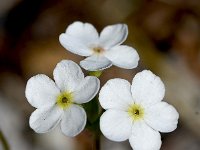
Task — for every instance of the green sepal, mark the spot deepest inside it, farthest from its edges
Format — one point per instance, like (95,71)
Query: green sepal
(95,73)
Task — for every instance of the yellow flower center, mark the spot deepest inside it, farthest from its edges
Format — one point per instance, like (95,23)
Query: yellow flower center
(136,112)
(64,100)
(98,50)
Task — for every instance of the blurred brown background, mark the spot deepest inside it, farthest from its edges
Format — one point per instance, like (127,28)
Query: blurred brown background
(166,34)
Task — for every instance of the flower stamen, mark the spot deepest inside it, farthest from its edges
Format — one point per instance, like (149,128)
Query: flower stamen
(64,100)
(136,112)
(98,50)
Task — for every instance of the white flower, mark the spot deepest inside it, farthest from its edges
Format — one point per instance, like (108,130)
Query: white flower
(102,51)
(60,101)
(136,112)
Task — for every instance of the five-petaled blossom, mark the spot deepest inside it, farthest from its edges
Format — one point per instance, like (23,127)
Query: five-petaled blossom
(102,51)
(60,101)
(136,112)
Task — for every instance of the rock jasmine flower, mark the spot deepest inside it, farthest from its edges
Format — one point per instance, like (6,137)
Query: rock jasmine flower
(102,51)
(136,112)
(60,101)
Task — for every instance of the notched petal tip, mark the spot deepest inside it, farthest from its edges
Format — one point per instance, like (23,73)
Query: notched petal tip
(113,35)
(45,119)
(116,125)
(147,88)
(116,94)
(95,63)
(41,91)
(73,121)
(86,90)
(78,25)
(144,137)
(123,56)
(162,117)
(67,75)
(83,32)
(74,45)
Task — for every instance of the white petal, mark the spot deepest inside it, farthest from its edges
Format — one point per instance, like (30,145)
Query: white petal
(162,117)
(87,90)
(123,56)
(41,91)
(68,75)
(94,63)
(116,93)
(144,138)
(147,88)
(73,120)
(116,125)
(113,35)
(74,45)
(45,119)
(85,32)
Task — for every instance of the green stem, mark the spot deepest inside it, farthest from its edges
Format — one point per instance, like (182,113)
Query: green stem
(4,142)
(93,112)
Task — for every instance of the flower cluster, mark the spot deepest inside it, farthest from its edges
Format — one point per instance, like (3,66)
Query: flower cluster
(133,112)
